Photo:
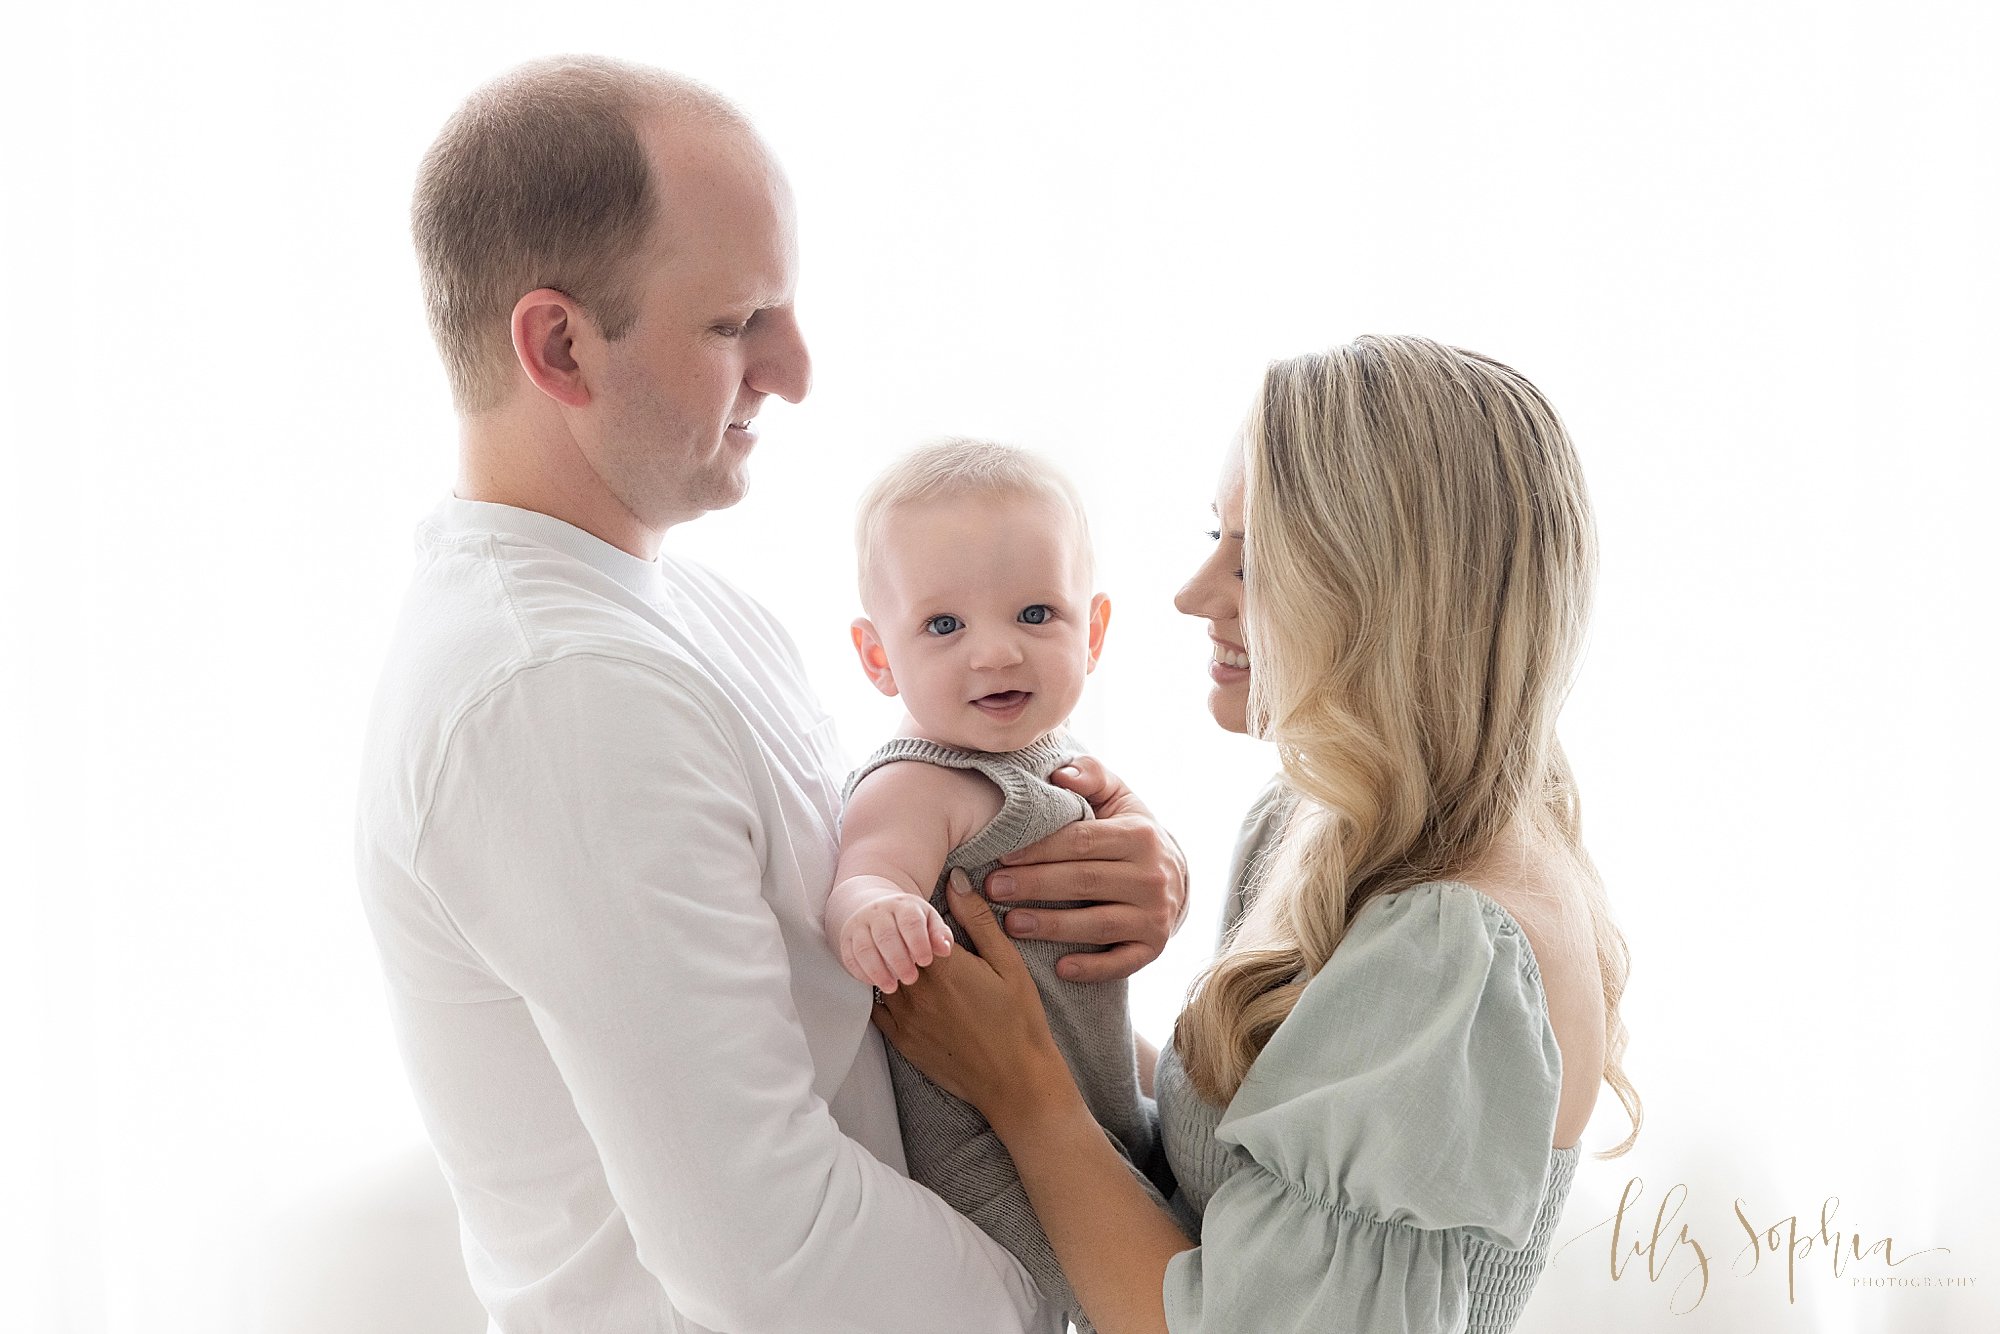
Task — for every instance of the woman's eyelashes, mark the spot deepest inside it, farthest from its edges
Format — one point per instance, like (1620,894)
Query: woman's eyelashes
(1215,535)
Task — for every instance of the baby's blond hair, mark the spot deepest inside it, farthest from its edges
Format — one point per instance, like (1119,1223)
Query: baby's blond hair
(953,469)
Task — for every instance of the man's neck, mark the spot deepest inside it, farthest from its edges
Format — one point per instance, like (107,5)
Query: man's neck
(504,465)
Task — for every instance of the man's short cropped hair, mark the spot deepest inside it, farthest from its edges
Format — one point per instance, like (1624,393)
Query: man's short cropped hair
(956,468)
(540,180)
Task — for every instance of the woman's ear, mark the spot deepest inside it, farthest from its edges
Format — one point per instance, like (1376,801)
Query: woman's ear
(547,326)
(1100,619)
(874,658)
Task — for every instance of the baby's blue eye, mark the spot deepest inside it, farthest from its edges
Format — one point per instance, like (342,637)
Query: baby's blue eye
(1039,614)
(943,625)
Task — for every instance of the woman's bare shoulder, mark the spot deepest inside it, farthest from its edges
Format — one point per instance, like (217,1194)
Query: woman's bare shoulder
(1549,897)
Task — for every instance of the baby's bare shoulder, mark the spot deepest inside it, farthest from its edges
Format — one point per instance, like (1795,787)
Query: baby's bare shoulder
(912,792)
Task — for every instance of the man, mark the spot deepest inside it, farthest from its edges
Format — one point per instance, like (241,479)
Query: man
(599,803)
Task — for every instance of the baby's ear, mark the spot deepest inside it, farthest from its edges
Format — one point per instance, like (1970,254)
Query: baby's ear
(874,658)
(1100,619)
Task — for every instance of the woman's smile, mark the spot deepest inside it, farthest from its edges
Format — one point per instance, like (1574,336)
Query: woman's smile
(1230,664)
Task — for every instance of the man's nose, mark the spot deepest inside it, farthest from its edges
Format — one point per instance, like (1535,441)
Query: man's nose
(783,366)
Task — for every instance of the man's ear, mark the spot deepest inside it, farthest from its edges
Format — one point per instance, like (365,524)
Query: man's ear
(1100,619)
(547,327)
(874,658)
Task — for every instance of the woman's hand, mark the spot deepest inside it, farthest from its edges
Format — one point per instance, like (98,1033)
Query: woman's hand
(1123,861)
(974,1024)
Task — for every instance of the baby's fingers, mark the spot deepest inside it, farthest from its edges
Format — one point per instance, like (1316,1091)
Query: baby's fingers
(918,939)
(865,963)
(925,932)
(940,934)
(887,936)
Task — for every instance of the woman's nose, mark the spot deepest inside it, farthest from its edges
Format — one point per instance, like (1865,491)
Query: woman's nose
(1203,595)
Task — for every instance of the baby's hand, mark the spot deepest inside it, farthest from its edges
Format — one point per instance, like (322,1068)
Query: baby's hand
(889,938)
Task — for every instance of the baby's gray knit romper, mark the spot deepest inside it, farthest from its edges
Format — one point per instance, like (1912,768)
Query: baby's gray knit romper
(948,1144)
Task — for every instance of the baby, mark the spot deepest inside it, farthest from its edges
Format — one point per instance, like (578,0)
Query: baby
(976,578)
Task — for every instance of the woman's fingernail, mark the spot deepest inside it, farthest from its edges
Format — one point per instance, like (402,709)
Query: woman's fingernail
(1070,771)
(1020,923)
(1000,886)
(960,883)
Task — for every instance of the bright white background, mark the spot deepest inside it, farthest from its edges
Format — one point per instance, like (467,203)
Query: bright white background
(1744,247)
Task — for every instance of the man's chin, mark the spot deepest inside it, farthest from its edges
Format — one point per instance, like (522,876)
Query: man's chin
(723,489)
(709,500)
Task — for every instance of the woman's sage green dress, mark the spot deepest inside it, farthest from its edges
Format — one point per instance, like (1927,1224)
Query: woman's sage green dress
(1387,1166)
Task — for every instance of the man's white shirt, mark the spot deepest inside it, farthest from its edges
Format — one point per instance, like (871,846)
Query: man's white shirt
(598,822)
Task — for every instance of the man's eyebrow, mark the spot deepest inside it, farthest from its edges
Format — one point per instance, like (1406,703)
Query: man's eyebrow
(752,299)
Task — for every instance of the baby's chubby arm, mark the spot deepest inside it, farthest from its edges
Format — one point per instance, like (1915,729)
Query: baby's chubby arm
(900,824)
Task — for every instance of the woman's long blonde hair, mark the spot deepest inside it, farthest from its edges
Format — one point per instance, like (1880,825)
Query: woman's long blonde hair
(1419,557)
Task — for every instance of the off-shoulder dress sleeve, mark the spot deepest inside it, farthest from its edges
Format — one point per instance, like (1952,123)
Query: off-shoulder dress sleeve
(1404,1110)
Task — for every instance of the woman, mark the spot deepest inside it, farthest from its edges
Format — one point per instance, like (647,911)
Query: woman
(1372,1101)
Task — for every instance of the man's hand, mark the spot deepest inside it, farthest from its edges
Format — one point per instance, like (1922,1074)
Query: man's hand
(1122,861)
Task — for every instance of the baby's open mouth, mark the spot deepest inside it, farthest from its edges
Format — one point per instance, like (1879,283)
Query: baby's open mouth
(1004,701)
